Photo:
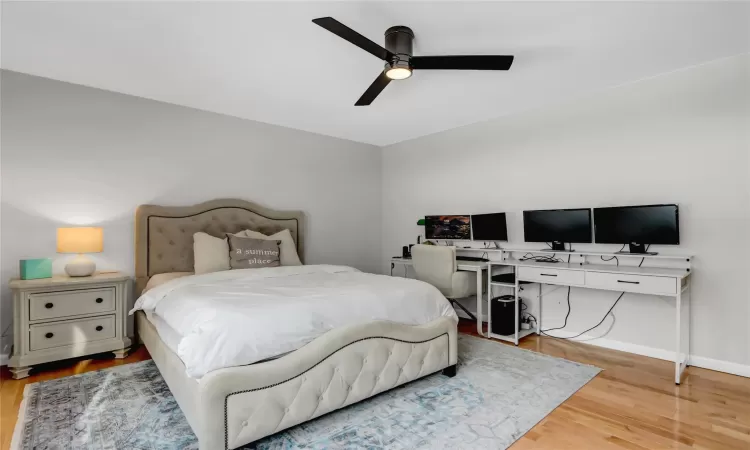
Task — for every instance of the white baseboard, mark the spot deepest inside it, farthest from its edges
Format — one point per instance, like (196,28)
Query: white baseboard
(718,365)
(652,352)
(4,357)
(742,370)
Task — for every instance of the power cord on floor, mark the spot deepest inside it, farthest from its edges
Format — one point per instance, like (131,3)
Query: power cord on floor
(589,329)
(600,322)
(565,322)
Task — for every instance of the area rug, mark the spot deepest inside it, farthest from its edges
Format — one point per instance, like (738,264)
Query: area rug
(499,394)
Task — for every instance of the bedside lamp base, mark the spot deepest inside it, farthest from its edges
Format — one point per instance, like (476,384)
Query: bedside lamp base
(80,266)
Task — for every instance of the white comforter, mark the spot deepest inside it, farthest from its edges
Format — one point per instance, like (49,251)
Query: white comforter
(239,317)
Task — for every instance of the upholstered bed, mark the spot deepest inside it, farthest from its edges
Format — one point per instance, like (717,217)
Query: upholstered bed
(231,407)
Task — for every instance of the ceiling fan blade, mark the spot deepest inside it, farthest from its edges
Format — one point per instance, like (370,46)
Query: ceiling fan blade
(374,90)
(467,62)
(342,31)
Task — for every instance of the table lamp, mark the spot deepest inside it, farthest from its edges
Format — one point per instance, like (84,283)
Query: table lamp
(80,240)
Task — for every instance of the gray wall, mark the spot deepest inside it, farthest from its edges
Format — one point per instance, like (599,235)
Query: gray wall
(76,155)
(677,138)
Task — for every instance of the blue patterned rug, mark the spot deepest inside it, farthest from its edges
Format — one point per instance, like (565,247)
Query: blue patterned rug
(499,394)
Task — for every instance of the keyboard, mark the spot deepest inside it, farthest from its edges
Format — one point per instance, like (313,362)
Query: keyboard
(470,258)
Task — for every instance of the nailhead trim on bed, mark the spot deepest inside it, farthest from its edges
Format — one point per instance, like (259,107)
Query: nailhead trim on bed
(226,399)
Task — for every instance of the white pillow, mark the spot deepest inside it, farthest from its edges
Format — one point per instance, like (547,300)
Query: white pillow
(210,254)
(289,256)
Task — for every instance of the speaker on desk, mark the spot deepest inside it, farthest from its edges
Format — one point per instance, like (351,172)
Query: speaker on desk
(503,310)
(405,252)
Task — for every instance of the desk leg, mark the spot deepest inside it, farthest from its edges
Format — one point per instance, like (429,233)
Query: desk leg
(515,317)
(539,303)
(682,313)
(677,352)
(688,301)
(480,300)
(392,266)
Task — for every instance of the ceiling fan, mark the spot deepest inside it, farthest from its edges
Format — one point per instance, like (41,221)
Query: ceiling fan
(399,61)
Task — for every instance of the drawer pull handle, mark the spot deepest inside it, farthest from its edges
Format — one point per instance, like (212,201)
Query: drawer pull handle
(48,305)
(99,300)
(49,335)
(548,274)
(629,282)
(99,328)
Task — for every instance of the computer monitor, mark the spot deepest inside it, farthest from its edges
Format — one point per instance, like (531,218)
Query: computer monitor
(489,227)
(448,227)
(557,226)
(637,226)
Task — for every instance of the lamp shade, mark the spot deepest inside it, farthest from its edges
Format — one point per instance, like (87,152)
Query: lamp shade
(80,240)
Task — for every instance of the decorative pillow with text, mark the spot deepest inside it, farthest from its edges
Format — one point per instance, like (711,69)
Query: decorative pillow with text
(251,253)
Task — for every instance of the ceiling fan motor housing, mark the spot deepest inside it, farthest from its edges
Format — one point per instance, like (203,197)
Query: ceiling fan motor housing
(399,40)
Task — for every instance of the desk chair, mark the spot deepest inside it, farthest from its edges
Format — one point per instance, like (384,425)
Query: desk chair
(437,266)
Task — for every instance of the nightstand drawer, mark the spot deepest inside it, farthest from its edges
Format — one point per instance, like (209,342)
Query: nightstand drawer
(71,332)
(55,305)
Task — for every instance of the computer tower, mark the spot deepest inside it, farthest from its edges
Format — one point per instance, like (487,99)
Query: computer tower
(502,313)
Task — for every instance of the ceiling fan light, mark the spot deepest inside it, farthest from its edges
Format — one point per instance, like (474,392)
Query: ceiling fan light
(398,73)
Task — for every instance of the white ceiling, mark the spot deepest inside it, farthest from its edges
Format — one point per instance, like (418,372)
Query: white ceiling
(269,62)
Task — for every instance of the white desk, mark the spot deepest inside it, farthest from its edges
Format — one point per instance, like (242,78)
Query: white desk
(468,266)
(660,281)
(667,282)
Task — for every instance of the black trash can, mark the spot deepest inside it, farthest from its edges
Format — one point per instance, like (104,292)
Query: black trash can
(502,311)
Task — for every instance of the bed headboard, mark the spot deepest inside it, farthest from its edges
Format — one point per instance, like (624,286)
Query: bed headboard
(164,234)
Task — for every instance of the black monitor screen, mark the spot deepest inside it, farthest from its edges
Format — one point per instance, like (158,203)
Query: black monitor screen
(559,225)
(489,227)
(447,227)
(648,224)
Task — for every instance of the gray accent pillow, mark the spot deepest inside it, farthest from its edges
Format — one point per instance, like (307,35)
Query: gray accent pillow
(251,253)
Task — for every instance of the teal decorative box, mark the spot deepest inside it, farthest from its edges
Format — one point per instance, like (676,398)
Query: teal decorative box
(31,269)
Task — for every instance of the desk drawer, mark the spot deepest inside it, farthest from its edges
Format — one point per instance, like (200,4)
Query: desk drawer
(644,284)
(54,305)
(71,332)
(553,276)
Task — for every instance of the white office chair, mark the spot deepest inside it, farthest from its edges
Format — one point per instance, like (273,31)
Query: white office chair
(437,265)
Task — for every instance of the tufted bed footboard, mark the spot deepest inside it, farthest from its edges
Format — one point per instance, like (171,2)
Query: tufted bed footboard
(231,407)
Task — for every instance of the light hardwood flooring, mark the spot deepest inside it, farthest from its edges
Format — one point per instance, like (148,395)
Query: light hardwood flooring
(632,404)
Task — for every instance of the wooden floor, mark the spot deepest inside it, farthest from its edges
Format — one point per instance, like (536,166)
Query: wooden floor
(632,404)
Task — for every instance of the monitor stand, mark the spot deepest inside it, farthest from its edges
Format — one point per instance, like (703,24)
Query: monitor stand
(637,249)
(558,247)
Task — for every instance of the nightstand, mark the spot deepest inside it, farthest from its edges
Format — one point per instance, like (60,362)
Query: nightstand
(66,317)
